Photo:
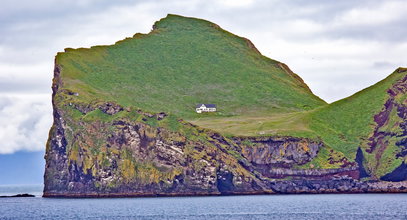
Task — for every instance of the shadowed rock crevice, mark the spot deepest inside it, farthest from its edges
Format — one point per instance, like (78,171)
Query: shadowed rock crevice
(225,182)
(359,160)
(398,174)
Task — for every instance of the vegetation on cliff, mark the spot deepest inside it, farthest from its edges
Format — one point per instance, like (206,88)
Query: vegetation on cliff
(350,123)
(124,119)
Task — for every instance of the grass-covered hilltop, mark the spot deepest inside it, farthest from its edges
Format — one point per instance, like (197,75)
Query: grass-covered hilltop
(125,122)
(183,62)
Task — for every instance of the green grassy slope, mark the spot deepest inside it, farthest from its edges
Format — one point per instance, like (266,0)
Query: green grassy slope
(182,62)
(342,124)
(346,124)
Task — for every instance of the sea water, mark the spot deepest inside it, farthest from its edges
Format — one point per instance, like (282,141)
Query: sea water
(328,206)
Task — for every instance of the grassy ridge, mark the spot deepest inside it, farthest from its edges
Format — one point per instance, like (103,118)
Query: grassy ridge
(346,124)
(183,62)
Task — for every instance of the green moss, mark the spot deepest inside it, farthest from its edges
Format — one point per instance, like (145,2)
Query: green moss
(171,122)
(327,158)
(73,154)
(96,114)
(388,161)
(393,124)
(128,170)
(147,173)
(153,122)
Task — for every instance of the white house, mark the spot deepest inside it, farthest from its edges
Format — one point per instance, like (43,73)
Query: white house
(205,108)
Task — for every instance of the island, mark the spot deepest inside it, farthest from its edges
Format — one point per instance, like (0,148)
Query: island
(18,196)
(126,122)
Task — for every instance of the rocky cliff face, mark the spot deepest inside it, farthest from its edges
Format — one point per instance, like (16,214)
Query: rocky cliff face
(133,153)
(119,127)
(387,146)
(103,150)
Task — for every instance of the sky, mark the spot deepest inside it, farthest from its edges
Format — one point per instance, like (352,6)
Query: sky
(337,47)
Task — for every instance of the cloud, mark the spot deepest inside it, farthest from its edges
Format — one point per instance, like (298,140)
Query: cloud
(24,122)
(236,3)
(383,64)
(373,14)
(25,78)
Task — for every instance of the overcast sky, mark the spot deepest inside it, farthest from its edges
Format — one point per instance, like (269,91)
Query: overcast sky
(337,47)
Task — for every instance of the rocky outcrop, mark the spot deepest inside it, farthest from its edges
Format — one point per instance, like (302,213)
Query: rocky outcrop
(312,173)
(337,185)
(279,151)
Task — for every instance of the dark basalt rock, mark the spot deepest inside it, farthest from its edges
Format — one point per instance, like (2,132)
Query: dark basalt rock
(359,160)
(225,182)
(110,108)
(403,145)
(160,116)
(398,174)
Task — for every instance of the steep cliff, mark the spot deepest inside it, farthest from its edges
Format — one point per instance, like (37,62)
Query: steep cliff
(124,122)
(371,123)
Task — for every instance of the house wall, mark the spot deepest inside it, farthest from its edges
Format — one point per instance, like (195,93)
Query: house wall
(201,109)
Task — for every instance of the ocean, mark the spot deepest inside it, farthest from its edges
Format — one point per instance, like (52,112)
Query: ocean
(327,206)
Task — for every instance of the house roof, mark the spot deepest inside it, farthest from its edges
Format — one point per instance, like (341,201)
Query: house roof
(207,105)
